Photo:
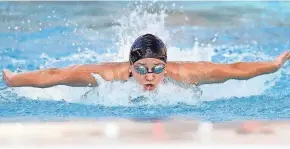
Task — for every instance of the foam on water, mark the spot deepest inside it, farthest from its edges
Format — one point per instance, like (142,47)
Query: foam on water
(132,25)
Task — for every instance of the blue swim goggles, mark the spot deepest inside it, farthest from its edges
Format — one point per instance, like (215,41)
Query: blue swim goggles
(144,70)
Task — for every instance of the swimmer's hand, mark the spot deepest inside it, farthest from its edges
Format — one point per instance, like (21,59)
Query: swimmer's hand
(7,76)
(281,59)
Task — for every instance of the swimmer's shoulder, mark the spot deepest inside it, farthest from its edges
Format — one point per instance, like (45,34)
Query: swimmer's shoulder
(181,71)
(120,70)
(124,70)
(173,66)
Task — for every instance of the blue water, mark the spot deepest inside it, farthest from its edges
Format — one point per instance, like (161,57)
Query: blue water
(35,35)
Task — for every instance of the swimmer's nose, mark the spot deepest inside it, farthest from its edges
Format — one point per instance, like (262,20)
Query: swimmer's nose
(149,76)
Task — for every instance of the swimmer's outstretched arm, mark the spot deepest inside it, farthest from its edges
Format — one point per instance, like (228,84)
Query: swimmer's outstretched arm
(206,72)
(77,76)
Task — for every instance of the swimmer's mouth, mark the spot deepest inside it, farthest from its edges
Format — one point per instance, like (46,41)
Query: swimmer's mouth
(149,86)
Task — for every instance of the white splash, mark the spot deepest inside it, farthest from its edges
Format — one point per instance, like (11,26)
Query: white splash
(139,22)
(129,93)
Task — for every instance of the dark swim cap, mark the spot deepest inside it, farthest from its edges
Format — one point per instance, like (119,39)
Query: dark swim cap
(148,46)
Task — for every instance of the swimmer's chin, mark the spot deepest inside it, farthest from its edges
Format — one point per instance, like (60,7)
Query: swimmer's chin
(149,87)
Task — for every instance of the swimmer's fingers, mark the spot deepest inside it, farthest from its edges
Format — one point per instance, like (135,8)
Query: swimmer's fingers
(281,59)
(7,76)
(287,55)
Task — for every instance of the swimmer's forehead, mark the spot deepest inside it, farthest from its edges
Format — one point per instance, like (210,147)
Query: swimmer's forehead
(142,63)
(149,61)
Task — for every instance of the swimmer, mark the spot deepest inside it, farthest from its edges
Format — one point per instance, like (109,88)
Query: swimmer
(148,65)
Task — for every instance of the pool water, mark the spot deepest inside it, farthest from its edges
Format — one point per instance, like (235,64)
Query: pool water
(38,35)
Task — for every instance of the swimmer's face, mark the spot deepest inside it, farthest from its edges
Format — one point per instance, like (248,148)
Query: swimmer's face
(150,80)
